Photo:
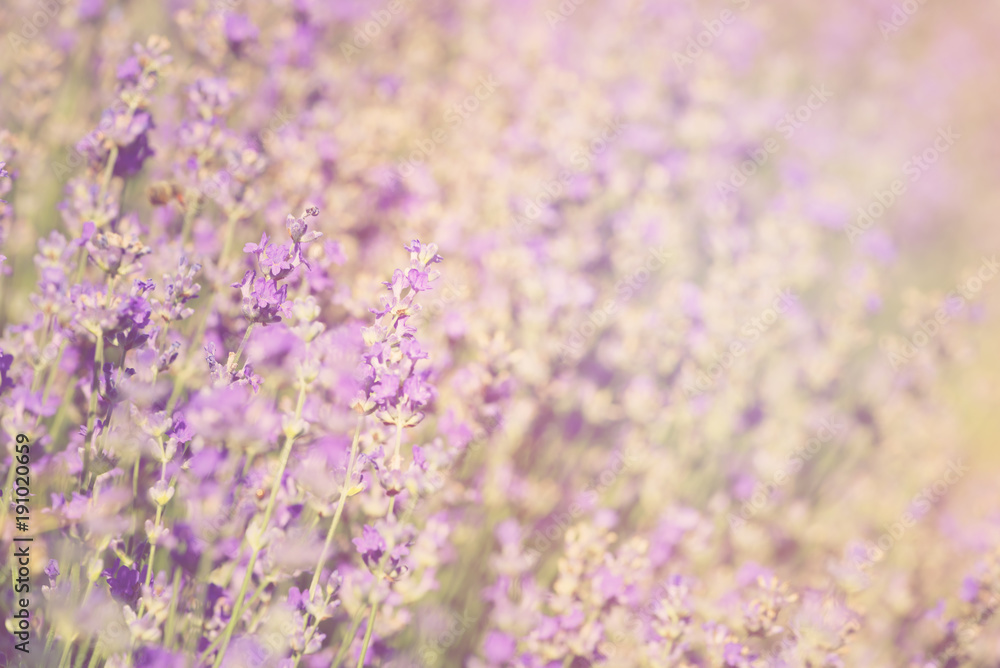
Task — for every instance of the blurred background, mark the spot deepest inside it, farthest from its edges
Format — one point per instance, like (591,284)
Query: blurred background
(548,148)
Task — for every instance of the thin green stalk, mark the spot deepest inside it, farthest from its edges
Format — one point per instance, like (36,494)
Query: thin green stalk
(49,639)
(152,547)
(340,507)
(286,452)
(230,233)
(41,346)
(92,409)
(368,632)
(172,613)
(227,634)
(218,639)
(243,344)
(345,643)
(108,172)
(65,653)
(81,654)
(396,457)
(268,511)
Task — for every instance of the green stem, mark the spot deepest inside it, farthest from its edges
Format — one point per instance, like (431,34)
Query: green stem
(106,176)
(268,511)
(286,452)
(345,643)
(92,410)
(227,634)
(94,658)
(368,631)
(243,344)
(168,634)
(65,653)
(340,507)
(230,233)
(49,639)
(396,458)
(81,654)
(41,346)
(152,547)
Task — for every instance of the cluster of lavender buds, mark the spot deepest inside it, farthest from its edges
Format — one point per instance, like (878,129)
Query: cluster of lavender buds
(697,373)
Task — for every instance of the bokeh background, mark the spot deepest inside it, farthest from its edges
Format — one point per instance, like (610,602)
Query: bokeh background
(620,191)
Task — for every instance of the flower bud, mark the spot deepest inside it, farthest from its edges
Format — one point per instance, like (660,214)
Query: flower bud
(155,532)
(256,535)
(293,427)
(305,309)
(333,584)
(161,493)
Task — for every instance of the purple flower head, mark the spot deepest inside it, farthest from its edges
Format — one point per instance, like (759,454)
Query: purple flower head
(263,302)
(156,657)
(209,98)
(240,31)
(125,582)
(276,261)
(298,229)
(52,570)
(132,157)
(298,599)
(90,9)
(370,545)
(129,71)
(970,589)
(423,255)
(6,382)
(393,385)
(735,655)
(256,249)
(499,648)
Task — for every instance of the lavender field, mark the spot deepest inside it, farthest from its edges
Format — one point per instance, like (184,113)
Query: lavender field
(525,334)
